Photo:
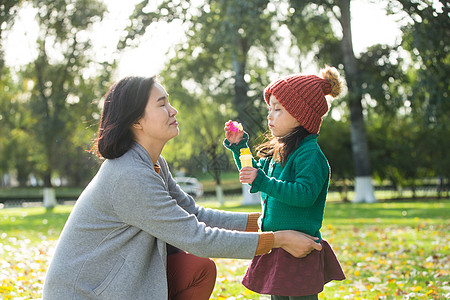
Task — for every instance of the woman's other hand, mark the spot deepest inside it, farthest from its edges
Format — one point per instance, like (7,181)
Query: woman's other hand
(234,137)
(295,243)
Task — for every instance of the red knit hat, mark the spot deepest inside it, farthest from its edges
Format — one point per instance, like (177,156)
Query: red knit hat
(303,96)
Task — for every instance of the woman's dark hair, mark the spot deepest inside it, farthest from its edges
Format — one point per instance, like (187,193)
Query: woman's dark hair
(124,104)
(279,148)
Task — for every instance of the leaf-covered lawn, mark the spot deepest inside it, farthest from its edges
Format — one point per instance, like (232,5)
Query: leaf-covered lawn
(394,250)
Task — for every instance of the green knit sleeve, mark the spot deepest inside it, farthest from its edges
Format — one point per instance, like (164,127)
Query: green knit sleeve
(311,175)
(236,148)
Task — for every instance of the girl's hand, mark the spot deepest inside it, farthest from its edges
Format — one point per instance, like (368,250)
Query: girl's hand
(233,137)
(295,243)
(248,175)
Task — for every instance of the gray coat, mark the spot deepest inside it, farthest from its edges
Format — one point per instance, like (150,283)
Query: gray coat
(113,245)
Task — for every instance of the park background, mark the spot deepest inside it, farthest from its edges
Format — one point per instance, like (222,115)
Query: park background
(386,137)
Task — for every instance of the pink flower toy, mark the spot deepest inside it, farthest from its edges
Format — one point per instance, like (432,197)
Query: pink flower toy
(236,126)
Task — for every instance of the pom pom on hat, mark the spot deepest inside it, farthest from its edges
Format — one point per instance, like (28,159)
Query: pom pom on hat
(303,96)
(332,76)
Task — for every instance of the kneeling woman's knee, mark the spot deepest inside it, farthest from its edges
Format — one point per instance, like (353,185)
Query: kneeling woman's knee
(209,266)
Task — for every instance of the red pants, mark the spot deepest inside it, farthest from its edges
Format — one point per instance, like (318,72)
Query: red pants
(190,277)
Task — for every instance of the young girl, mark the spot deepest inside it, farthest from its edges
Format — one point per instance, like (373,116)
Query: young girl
(292,175)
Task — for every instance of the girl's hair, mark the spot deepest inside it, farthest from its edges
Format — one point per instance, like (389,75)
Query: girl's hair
(279,148)
(124,104)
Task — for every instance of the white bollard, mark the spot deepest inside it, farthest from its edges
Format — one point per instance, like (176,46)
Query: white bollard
(219,195)
(364,190)
(249,198)
(49,198)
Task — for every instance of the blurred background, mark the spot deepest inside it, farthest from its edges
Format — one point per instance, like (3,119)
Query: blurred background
(386,136)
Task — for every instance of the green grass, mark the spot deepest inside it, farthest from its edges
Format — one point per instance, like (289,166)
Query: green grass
(36,192)
(229,182)
(397,250)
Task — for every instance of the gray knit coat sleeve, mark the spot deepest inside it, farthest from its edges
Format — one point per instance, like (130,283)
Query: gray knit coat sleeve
(158,207)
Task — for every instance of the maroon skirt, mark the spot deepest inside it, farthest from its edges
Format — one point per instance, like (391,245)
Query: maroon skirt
(281,274)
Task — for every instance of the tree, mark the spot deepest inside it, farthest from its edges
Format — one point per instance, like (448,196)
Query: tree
(202,117)
(378,76)
(334,140)
(8,11)
(79,166)
(409,85)
(59,83)
(426,37)
(229,31)
(402,163)
(15,141)
(212,66)
(317,15)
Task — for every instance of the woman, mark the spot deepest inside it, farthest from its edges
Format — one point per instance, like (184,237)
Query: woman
(116,242)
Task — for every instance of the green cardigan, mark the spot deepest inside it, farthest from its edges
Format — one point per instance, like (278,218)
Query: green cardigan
(292,197)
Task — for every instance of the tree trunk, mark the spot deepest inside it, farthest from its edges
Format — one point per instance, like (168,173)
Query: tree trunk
(440,187)
(363,173)
(244,108)
(240,91)
(48,179)
(49,197)
(2,60)
(216,172)
(22,176)
(219,190)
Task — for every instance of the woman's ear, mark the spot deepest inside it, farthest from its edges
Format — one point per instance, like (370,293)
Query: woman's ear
(137,125)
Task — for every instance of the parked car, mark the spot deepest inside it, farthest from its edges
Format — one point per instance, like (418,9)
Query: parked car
(190,185)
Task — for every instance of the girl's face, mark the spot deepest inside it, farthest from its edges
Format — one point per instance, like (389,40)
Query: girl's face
(279,120)
(158,123)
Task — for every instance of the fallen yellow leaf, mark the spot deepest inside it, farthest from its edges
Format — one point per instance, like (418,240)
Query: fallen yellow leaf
(417,288)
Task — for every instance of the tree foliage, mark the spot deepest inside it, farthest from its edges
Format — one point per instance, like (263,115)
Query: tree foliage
(426,37)
(59,93)
(14,120)
(58,76)
(8,12)
(49,109)
(213,66)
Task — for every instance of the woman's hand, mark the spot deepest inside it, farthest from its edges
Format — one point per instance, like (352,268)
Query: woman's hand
(233,137)
(296,243)
(248,175)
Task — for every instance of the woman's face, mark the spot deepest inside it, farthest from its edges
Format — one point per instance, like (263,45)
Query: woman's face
(158,123)
(279,120)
